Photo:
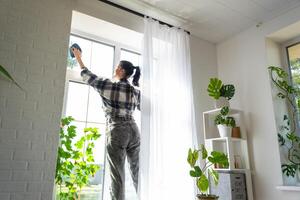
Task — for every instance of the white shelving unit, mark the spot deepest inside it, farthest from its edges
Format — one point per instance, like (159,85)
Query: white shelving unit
(235,148)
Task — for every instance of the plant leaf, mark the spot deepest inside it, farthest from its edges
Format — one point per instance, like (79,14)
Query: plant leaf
(214,175)
(289,169)
(5,73)
(204,151)
(227,91)
(202,183)
(214,88)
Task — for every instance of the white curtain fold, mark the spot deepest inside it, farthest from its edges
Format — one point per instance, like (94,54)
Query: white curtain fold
(168,124)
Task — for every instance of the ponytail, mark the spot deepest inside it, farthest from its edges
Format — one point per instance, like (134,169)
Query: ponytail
(136,76)
(129,69)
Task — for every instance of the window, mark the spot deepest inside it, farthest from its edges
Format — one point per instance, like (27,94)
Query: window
(84,104)
(293,55)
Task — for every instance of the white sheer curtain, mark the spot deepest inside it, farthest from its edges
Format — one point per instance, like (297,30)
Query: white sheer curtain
(168,125)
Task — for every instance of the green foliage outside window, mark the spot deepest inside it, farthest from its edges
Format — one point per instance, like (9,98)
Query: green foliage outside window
(74,162)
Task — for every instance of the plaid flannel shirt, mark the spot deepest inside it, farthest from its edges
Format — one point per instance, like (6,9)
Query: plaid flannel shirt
(119,98)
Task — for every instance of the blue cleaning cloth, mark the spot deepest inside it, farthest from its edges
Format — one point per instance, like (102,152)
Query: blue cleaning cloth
(76,46)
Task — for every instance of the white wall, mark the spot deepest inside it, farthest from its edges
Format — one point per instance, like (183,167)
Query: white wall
(243,60)
(33,44)
(204,62)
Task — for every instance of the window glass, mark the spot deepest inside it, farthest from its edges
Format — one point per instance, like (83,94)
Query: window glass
(95,111)
(86,47)
(77,99)
(102,59)
(294,63)
(130,56)
(84,104)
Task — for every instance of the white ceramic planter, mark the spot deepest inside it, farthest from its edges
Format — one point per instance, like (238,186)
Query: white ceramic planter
(221,102)
(224,131)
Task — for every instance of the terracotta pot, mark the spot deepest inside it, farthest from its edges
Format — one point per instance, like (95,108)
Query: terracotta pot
(207,197)
(236,132)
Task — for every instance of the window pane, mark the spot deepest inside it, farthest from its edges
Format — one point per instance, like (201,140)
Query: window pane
(79,131)
(134,58)
(95,111)
(294,61)
(86,47)
(77,100)
(102,59)
(99,144)
(96,182)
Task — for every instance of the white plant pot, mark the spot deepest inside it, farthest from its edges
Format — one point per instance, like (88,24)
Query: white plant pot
(224,131)
(221,102)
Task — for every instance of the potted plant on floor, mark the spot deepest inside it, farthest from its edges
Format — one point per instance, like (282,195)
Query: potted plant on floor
(200,174)
(220,92)
(224,122)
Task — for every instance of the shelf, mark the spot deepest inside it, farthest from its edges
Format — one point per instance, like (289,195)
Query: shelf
(216,111)
(236,149)
(231,170)
(226,138)
(289,188)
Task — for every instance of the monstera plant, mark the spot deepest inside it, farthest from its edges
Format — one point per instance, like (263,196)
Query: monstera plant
(4,73)
(219,92)
(217,89)
(288,138)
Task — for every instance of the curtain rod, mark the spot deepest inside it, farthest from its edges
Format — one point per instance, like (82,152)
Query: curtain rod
(137,13)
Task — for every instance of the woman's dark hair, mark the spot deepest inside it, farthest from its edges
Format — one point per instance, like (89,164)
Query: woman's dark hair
(129,68)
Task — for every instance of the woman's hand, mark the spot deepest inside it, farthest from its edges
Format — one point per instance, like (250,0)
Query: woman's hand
(77,55)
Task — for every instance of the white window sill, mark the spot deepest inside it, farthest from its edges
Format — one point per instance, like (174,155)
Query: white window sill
(289,188)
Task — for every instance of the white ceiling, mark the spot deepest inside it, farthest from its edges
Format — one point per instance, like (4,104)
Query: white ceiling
(212,20)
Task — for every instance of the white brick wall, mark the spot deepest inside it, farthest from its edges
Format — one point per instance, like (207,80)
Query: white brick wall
(33,43)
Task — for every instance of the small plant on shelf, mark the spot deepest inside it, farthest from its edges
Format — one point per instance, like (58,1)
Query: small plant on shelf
(201,173)
(224,122)
(74,162)
(288,137)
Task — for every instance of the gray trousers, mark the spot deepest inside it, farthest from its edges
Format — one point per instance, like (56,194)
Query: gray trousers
(123,140)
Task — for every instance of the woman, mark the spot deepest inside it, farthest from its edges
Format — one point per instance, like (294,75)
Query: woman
(120,99)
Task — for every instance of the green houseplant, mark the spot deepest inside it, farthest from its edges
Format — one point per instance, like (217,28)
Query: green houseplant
(217,89)
(200,174)
(287,135)
(74,161)
(4,73)
(224,122)
(220,92)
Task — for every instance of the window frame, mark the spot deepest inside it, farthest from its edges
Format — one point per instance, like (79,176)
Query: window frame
(74,76)
(286,66)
